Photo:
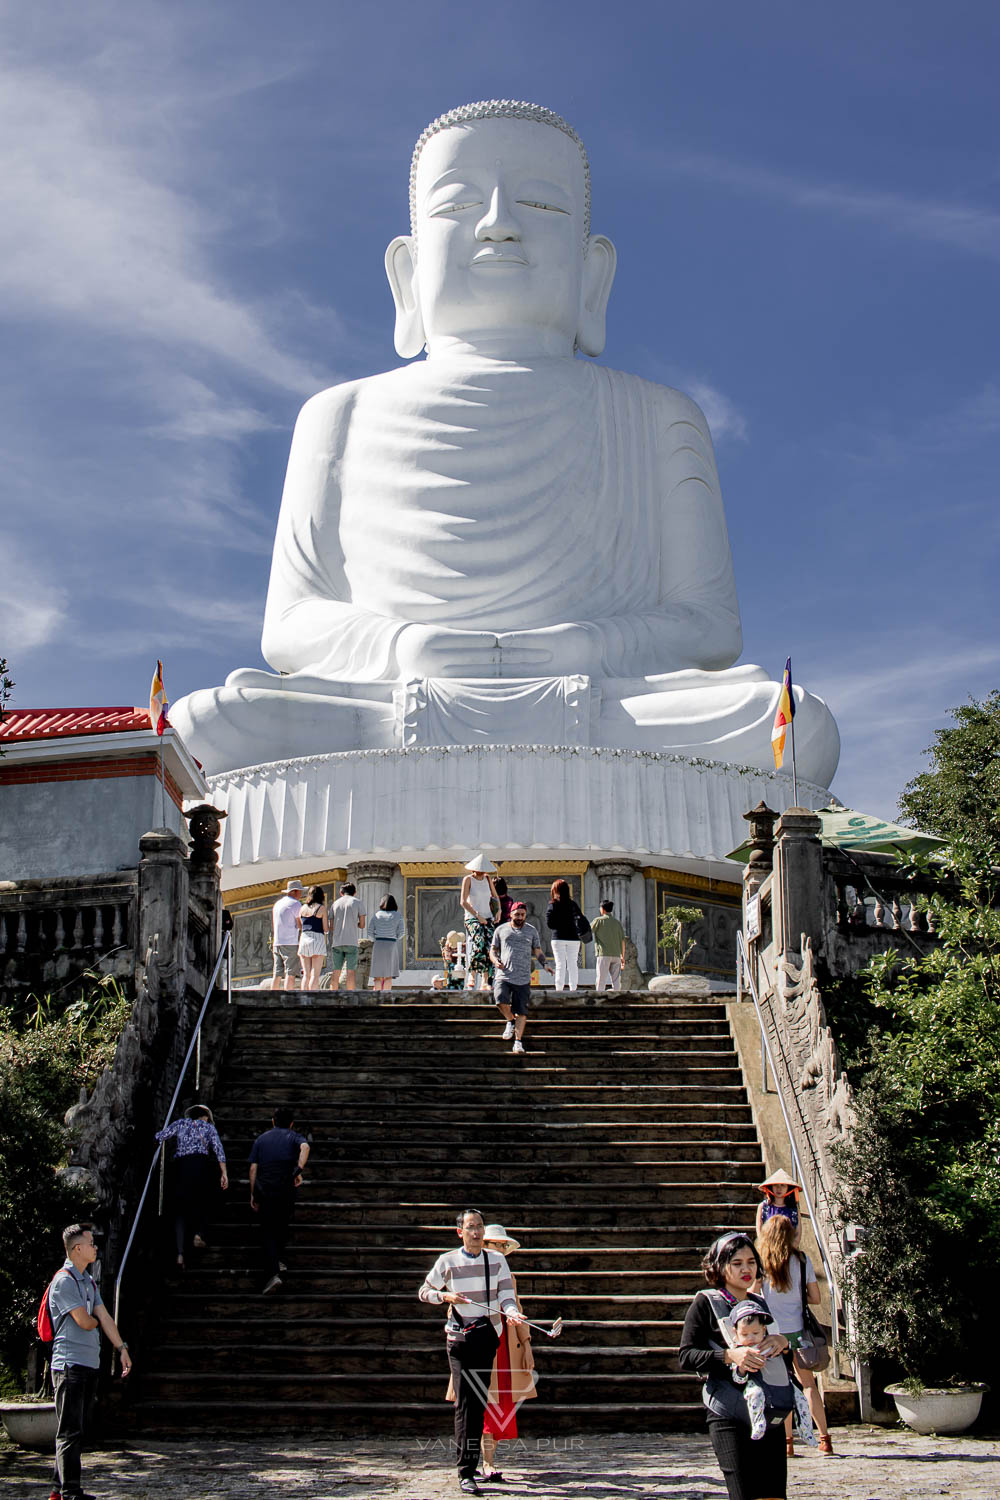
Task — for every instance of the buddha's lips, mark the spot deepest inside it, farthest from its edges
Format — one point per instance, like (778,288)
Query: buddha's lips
(497,258)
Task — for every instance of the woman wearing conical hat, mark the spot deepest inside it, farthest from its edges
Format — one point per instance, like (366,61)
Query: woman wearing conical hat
(478,898)
(781,1196)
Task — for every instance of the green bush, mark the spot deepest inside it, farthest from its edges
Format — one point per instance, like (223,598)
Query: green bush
(922,1168)
(46,1057)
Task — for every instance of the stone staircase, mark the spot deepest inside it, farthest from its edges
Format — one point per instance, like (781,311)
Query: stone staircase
(615,1149)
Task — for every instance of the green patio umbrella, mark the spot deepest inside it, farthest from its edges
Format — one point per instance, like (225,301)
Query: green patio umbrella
(844,828)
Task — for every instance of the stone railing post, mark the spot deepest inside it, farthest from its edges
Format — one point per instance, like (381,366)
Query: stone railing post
(162,928)
(798,902)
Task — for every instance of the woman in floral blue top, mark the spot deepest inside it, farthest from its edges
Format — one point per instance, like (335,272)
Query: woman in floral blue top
(200,1162)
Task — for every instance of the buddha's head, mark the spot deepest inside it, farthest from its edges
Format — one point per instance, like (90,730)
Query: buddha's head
(500,258)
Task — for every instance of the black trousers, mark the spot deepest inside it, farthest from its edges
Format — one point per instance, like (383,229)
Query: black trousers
(195,1186)
(75,1387)
(275,1213)
(752,1470)
(471,1365)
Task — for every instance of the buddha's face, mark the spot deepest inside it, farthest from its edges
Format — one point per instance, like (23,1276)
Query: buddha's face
(499,244)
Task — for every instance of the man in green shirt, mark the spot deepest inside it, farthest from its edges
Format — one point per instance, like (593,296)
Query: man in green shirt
(609,945)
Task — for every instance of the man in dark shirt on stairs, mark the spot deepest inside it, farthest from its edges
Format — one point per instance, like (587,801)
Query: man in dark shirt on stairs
(276,1161)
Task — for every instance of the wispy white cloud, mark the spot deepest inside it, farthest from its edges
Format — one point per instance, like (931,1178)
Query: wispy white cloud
(89,234)
(33,607)
(888,710)
(725,420)
(964,226)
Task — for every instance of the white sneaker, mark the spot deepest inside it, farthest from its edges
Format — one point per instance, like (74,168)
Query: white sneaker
(272,1285)
(518,1048)
(508,1031)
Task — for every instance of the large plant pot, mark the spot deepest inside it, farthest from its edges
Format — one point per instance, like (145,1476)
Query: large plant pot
(30,1424)
(940,1409)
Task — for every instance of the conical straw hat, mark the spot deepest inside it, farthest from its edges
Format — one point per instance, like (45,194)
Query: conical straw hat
(780,1178)
(481,865)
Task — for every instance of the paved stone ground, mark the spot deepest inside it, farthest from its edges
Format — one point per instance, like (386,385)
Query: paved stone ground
(872,1464)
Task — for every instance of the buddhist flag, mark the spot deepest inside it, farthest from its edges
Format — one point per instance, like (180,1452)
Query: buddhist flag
(783,716)
(158,704)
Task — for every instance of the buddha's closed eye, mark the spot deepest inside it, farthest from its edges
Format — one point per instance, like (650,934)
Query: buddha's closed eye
(551,208)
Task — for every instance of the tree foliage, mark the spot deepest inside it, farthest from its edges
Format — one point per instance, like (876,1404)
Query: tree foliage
(922,1168)
(959,798)
(46,1057)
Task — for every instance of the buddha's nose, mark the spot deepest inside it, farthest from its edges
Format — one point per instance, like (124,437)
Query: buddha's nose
(498,222)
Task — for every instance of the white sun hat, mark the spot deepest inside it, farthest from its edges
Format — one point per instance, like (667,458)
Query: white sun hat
(481,865)
(498,1232)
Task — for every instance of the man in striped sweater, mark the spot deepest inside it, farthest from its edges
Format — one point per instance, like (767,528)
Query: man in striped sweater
(482,1279)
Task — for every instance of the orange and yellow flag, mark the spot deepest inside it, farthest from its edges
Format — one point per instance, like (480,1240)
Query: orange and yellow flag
(158,704)
(783,716)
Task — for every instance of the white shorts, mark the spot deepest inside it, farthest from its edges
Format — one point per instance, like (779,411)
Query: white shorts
(312,945)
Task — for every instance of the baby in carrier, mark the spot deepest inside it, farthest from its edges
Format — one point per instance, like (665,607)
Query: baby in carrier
(770,1394)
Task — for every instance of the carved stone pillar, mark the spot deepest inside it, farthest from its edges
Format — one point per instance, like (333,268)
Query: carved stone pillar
(205,828)
(162,940)
(614,878)
(761,860)
(372,878)
(798,884)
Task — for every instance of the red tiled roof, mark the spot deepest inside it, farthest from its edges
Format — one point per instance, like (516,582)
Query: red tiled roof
(60,723)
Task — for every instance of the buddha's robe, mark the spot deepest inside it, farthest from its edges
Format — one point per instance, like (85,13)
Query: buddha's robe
(461,520)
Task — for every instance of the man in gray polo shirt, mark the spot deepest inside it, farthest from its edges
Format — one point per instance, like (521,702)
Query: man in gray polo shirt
(78,1315)
(514,946)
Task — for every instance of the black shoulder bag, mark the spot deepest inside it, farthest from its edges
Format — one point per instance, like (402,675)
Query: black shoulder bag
(456,1332)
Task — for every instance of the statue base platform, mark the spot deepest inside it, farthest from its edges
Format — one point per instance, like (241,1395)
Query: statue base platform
(538,801)
(644,828)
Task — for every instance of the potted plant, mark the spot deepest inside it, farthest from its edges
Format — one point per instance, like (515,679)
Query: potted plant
(30,1421)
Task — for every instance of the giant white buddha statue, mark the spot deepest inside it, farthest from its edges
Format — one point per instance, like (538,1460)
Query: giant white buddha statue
(501,541)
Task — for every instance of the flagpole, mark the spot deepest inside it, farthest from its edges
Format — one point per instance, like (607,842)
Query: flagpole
(795,785)
(163,805)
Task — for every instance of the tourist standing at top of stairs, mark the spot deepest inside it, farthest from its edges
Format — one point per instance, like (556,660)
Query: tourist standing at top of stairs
(285,937)
(609,947)
(569,927)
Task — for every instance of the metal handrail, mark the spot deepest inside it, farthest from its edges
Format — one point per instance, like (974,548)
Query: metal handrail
(194,1042)
(746,973)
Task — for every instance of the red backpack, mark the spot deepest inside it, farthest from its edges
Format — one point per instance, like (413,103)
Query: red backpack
(43,1322)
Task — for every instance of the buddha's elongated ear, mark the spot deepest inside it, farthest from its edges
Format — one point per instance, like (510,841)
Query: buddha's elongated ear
(595,289)
(400,267)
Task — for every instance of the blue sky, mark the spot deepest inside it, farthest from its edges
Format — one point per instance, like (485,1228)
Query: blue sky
(194,204)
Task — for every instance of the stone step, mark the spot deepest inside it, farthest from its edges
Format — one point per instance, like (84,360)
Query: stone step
(589,1120)
(698,1154)
(590,1137)
(241,1248)
(292,1302)
(622,1106)
(631,1004)
(526,1072)
(695,1209)
(640,1168)
(461,1187)
(313,1237)
(421,1359)
(588,1050)
(242,1385)
(209,1330)
(429,1419)
(340,1281)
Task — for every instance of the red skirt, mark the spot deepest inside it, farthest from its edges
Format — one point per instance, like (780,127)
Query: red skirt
(500,1418)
